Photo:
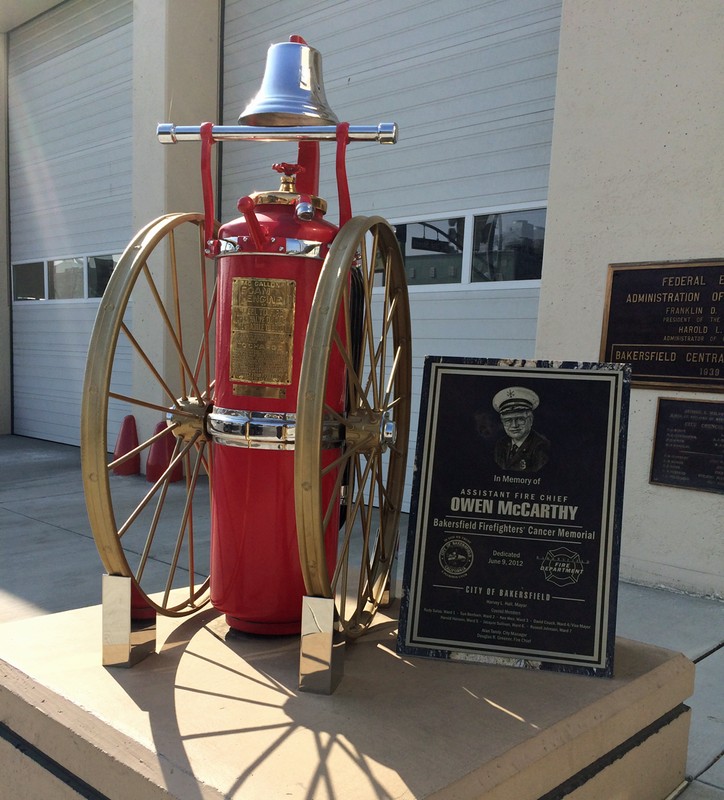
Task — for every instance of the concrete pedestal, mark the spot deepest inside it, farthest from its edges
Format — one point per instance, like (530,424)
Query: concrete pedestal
(218,715)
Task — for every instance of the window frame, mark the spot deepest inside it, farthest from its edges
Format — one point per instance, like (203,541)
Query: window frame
(466,282)
(46,262)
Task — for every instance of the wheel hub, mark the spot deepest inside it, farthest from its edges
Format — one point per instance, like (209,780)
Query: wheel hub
(369,431)
(189,418)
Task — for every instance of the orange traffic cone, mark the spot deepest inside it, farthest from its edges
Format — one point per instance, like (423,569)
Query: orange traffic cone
(127,440)
(159,457)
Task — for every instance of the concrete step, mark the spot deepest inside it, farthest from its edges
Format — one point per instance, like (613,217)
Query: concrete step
(218,715)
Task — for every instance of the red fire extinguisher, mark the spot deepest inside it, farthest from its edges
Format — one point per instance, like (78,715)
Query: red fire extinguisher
(300,428)
(268,265)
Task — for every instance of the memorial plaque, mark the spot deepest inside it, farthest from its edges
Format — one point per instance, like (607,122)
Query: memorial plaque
(689,445)
(667,321)
(262,330)
(513,546)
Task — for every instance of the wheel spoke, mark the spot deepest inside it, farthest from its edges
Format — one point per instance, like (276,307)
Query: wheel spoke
(204,356)
(368,332)
(150,538)
(177,456)
(335,415)
(184,527)
(345,456)
(183,362)
(141,447)
(147,361)
(191,488)
(177,305)
(333,499)
(358,392)
(137,401)
(366,519)
(354,511)
(390,387)
(380,355)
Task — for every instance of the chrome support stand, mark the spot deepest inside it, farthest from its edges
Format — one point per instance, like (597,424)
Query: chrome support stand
(321,652)
(125,641)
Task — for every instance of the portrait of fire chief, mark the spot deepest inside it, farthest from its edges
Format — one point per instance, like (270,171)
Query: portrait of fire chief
(522,449)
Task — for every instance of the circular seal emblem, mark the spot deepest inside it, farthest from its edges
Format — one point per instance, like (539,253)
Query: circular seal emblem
(456,557)
(562,566)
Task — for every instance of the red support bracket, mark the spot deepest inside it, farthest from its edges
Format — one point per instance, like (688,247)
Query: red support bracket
(345,204)
(207,186)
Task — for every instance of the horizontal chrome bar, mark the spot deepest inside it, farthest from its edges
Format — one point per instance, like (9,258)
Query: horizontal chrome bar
(384,133)
(294,247)
(263,430)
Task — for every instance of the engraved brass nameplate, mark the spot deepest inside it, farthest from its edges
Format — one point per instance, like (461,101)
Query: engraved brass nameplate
(262,330)
(247,390)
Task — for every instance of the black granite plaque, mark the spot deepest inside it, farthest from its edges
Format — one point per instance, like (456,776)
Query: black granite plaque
(512,554)
(667,321)
(689,445)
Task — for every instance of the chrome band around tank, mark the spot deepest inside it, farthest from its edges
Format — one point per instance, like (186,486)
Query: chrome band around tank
(264,430)
(285,247)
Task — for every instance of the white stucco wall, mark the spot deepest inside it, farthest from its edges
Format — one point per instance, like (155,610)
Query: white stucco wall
(175,79)
(637,175)
(5,379)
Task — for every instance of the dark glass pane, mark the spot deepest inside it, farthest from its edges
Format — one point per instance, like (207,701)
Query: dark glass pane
(99,273)
(508,247)
(29,281)
(433,250)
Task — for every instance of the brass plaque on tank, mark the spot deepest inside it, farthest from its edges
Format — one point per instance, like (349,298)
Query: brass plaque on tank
(246,390)
(262,330)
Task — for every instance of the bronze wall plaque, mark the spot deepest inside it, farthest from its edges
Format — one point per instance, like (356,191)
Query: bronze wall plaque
(667,321)
(262,330)
(689,445)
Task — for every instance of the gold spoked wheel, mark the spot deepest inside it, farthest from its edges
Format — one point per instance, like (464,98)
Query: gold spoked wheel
(360,317)
(151,356)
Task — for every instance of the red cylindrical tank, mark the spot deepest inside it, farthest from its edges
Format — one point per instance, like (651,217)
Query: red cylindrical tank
(267,276)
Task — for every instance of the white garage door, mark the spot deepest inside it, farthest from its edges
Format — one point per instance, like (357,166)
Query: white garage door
(69,89)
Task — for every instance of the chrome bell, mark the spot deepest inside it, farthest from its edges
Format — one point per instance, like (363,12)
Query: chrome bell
(292,92)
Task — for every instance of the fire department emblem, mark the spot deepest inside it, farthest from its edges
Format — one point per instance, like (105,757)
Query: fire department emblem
(562,566)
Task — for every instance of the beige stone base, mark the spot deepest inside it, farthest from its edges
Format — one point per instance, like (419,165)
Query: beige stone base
(213,715)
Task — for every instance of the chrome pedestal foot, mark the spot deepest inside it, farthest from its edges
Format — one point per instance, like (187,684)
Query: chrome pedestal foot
(321,652)
(125,641)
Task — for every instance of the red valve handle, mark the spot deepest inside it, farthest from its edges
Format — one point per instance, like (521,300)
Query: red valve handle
(288,169)
(257,233)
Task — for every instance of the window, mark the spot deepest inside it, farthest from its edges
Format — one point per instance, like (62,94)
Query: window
(508,247)
(29,281)
(99,273)
(63,278)
(473,247)
(433,250)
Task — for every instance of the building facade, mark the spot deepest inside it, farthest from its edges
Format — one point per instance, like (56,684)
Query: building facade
(507,217)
